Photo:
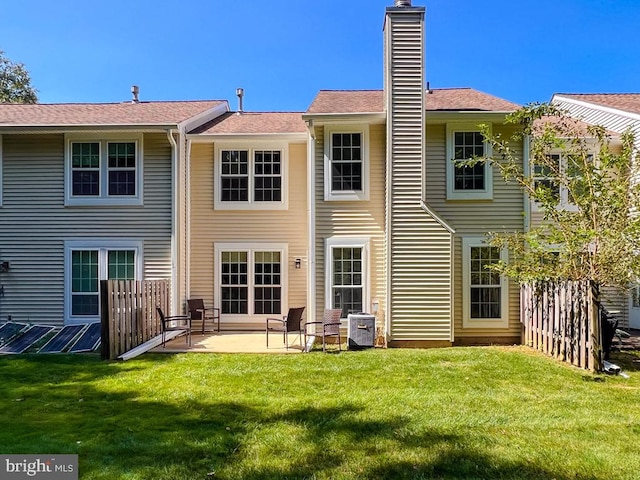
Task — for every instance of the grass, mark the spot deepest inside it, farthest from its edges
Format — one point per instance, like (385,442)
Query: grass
(456,413)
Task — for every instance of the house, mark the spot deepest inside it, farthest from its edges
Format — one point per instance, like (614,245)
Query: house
(618,113)
(90,192)
(356,203)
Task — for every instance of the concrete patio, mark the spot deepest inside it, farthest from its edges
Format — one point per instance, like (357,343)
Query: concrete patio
(231,342)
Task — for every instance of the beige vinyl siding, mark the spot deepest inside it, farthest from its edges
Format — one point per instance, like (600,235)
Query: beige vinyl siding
(353,219)
(475,218)
(35,223)
(208,226)
(419,246)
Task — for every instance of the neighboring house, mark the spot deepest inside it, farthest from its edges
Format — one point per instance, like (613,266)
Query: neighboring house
(90,192)
(356,203)
(619,113)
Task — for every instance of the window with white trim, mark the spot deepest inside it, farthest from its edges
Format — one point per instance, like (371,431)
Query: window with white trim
(467,182)
(251,178)
(105,171)
(86,263)
(347,274)
(346,171)
(557,166)
(251,279)
(485,291)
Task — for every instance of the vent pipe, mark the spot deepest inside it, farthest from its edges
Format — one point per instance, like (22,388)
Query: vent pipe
(402,3)
(135,91)
(240,94)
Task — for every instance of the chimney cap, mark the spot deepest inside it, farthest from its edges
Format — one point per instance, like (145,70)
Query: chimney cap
(402,3)
(135,91)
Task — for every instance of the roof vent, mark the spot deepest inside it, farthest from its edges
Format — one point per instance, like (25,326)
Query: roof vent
(240,94)
(135,91)
(402,3)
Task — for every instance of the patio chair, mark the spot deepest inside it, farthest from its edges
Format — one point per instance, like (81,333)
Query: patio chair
(176,323)
(198,312)
(292,322)
(330,327)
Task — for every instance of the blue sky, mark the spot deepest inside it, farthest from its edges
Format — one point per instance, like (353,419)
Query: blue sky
(282,52)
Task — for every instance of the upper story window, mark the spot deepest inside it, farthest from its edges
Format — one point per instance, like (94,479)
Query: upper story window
(558,166)
(466,182)
(346,162)
(251,178)
(104,171)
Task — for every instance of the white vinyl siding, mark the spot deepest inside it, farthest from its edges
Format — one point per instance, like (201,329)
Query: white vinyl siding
(347,163)
(36,223)
(103,170)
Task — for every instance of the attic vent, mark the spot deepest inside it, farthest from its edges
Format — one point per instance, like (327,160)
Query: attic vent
(402,3)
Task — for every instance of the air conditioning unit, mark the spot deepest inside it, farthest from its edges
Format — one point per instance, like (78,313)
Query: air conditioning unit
(361,330)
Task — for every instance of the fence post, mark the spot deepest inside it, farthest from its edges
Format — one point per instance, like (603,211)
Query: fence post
(105,317)
(595,330)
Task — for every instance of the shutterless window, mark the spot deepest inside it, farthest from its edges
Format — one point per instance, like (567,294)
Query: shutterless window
(235,283)
(267,176)
(85,268)
(235,176)
(347,286)
(251,176)
(267,283)
(88,167)
(467,145)
(543,175)
(485,284)
(346,161)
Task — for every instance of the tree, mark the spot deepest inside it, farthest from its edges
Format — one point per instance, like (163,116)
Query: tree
(587,192)
(15,83)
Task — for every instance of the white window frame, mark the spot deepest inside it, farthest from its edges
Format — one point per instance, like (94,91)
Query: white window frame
(348,242)
(103,199)
(467,321)
(346,195)
(452,193)
(103,247)
(563,202)
(250,248)
(251,147)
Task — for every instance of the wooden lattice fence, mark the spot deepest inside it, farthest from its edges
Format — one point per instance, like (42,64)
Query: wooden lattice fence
(128,313)
(561,319)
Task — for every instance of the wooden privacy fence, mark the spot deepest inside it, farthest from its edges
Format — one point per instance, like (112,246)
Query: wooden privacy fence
(561,319)
(128,313)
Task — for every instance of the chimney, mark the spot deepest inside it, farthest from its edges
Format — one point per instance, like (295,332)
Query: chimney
(240,94)
(135,91)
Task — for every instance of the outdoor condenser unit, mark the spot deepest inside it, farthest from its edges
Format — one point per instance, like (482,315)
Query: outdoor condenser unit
(361,330)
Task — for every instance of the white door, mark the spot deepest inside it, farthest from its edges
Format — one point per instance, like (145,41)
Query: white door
(634,307)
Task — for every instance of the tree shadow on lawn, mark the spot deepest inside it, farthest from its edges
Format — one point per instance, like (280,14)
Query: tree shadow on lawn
(125,433)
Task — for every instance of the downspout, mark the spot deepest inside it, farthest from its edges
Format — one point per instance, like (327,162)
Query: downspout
(187,245)
(311,218)
(175,219)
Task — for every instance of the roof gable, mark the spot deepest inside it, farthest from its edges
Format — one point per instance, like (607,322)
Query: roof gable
(628,102)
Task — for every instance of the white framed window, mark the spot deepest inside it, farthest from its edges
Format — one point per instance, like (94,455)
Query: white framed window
(105,170)
(485,293)
(347,274)
(558,165)
(251,280)
(251,177)
(465,141)
(89,261)
(346,162)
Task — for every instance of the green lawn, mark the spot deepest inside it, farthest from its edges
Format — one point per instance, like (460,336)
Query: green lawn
(455,413)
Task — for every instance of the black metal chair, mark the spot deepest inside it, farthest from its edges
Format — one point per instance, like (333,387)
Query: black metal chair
(291,322)
(176,323)
(330,327)
(198,312)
